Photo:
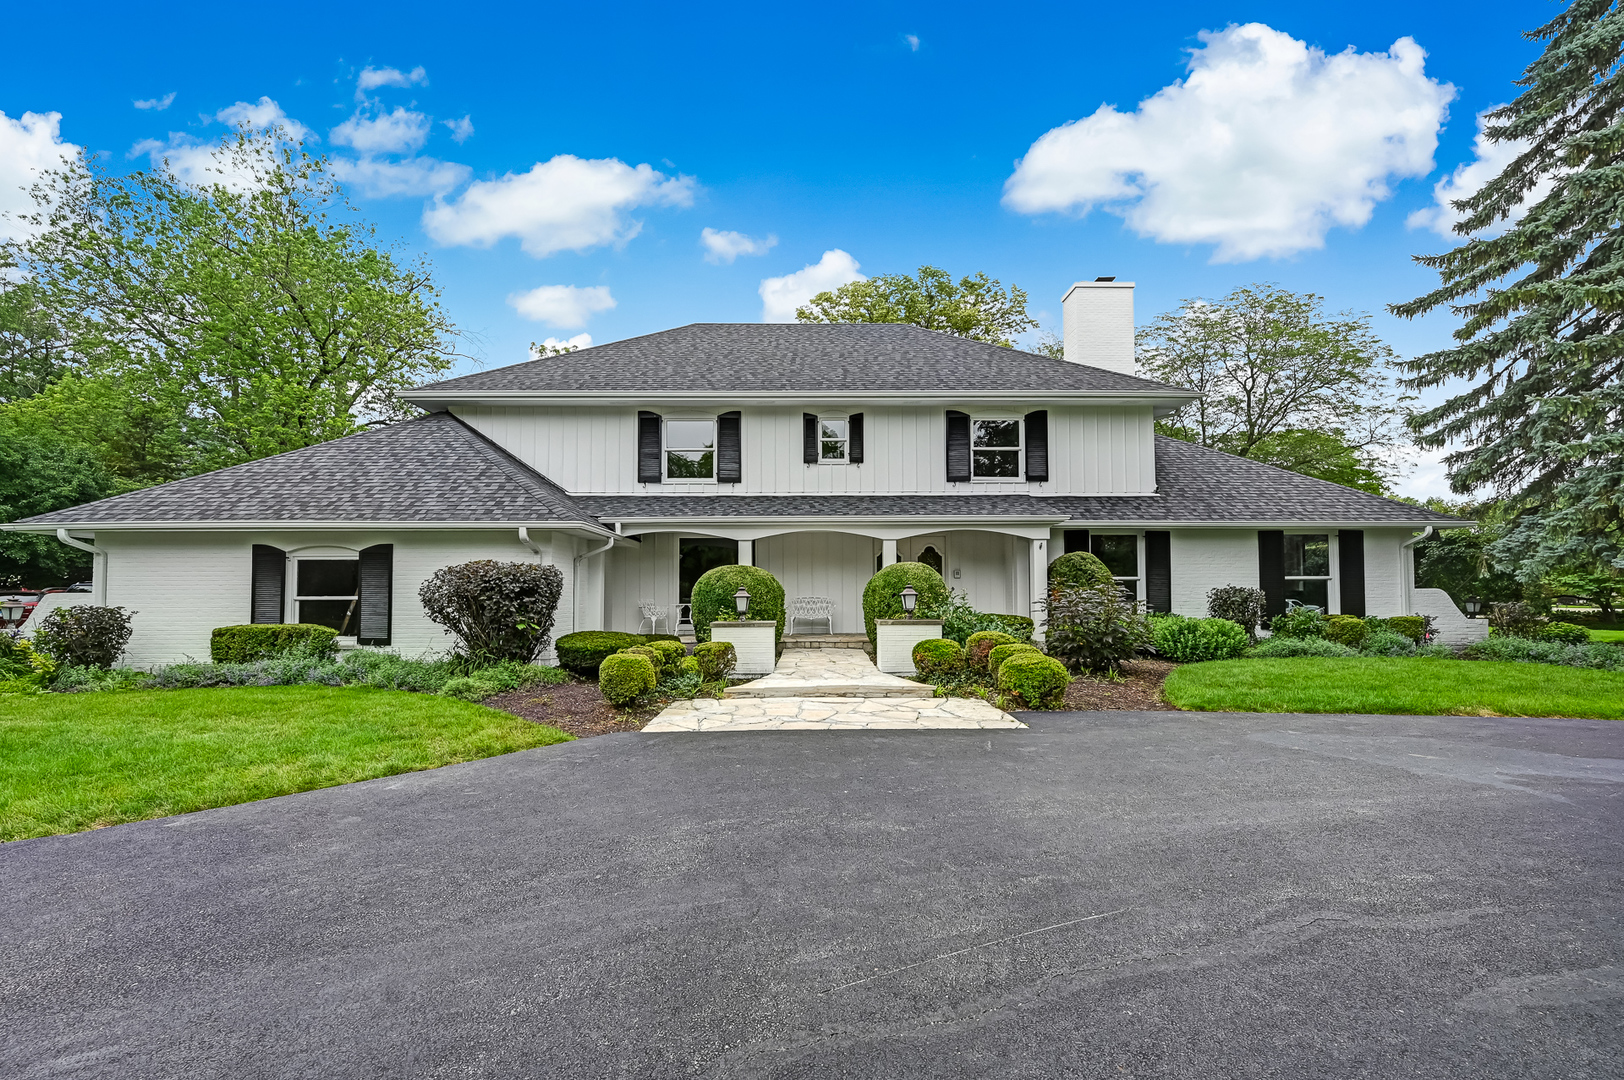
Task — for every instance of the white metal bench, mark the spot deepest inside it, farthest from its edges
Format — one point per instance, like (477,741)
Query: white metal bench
(654,614)
(812,609)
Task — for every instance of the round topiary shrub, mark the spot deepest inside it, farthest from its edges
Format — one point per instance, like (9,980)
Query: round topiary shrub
(936,658)
(1078,568)
(1040,680)
(583,651)
(1000,653)
(1349,630)
(1565,632)
(713,598)
(716,659)
(689,666)
(882,594)
(625,677)
(982,642)
(669,654)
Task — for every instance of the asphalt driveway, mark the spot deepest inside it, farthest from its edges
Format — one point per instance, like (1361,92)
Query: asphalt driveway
(1106,895)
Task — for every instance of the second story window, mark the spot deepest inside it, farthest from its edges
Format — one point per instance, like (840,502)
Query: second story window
(995,449)
(690,449)
(832,440)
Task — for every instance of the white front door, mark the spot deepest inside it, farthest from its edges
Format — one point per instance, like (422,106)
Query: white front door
(930,550)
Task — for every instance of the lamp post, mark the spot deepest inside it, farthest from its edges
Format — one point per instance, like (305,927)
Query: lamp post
(741,601)
(1473,606)
(909,598)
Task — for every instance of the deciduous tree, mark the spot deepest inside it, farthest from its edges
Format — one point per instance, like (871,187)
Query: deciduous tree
(976,306)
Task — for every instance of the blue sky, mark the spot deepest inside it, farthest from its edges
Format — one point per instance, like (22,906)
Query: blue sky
(886,133)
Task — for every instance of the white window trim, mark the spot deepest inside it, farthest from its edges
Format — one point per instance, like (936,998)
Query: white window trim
(1333,585)
(666,448)
(294,596)
(1019,450)
(845,444)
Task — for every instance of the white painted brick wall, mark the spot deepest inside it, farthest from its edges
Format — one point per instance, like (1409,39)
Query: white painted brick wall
(1203,559)
(894,651)
(755,646)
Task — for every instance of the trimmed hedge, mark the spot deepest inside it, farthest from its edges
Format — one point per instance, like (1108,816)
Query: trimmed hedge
(1078,568)
(670,654)
(1000,653)
(983,642)
(1018,627)
(1040,680)
(261,641)
(689,666)
(583,651)
(880,595)
(1190,641)
(713,598)
(938,657)
(1349,630)
(716,659)
(625,677)
(1413,627)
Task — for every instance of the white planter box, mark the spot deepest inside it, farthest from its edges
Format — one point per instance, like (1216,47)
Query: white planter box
(897,638)
(755,642)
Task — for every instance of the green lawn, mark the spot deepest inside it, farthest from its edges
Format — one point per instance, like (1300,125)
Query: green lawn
(1606,635)
(1397,685)
(80,761)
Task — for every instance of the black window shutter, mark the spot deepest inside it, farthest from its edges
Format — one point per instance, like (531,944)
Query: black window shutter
(1351,564)
(854,437)
(958,447)
(1037,445)
(1076,540)
(809,438)
(1271,570)
(729,449)
(1159,570)
(648,448)
(377,576)
(270,579)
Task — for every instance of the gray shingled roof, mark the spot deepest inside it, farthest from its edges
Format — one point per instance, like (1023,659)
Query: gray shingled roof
(791,357)
(431,469)
(1193,484)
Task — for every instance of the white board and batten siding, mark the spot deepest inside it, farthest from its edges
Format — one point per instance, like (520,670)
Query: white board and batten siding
(181,585)
(592,451)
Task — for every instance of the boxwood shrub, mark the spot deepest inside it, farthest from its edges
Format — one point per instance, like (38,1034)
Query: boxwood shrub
(982,642)
(713,598)
(1018,627)
(881,596)
(716,659)
(1040,680)
(1347,630)
(1078,568)
(1189,641)
(261,641)
(582,652)
(1000,653)
(1413,627)
(624,677)
(669,654)
(936,658)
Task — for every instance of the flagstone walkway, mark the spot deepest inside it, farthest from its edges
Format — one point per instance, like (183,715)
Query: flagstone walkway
(829,690)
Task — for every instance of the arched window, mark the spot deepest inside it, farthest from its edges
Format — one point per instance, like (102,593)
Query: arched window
(931,558)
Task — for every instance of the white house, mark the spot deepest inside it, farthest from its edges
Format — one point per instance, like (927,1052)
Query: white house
(819,452)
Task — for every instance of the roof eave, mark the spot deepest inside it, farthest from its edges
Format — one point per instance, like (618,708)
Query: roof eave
(592,529)
(427,397)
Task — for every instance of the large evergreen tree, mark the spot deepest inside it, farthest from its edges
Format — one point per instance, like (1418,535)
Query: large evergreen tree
(1541,346)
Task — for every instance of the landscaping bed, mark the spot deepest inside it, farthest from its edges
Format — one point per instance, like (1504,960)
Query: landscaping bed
(1139,687)
(576,707)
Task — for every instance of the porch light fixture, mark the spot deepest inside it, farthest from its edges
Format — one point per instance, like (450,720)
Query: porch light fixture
(909,598)
(1473,606)
(741,601)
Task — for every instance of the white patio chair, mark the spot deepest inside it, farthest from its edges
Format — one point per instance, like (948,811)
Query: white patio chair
(812,609)
(654,614)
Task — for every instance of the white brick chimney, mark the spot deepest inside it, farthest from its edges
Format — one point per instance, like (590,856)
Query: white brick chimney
(1098,317)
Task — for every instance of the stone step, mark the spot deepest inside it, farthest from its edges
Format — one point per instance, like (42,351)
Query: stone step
(826,641)
(778,687)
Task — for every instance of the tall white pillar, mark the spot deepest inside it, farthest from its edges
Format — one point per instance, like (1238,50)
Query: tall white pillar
(888,552)
(747,553)
(1040,584)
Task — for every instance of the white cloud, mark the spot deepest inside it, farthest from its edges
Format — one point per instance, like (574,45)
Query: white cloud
(567,307)
(461,130)
(262,114)
(371,78)
(156,104)
(1265,147)
(398,132)
(413,176)
(553,345)
(722,246)
(912,40)
(565,204)
(780,296)
(1489,159)
(27,146)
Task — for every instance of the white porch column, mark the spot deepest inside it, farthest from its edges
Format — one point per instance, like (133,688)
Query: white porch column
(1039,567)
(888,552)
(747,553)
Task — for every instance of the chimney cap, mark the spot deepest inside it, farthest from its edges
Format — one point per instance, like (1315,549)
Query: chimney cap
(1112,278)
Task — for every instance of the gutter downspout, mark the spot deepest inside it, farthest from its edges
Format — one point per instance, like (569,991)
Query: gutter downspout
(575,582)
(524,538)
(1406,569)
(98,571)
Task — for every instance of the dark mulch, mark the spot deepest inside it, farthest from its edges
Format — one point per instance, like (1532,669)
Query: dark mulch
(575,707)
(1139,688)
